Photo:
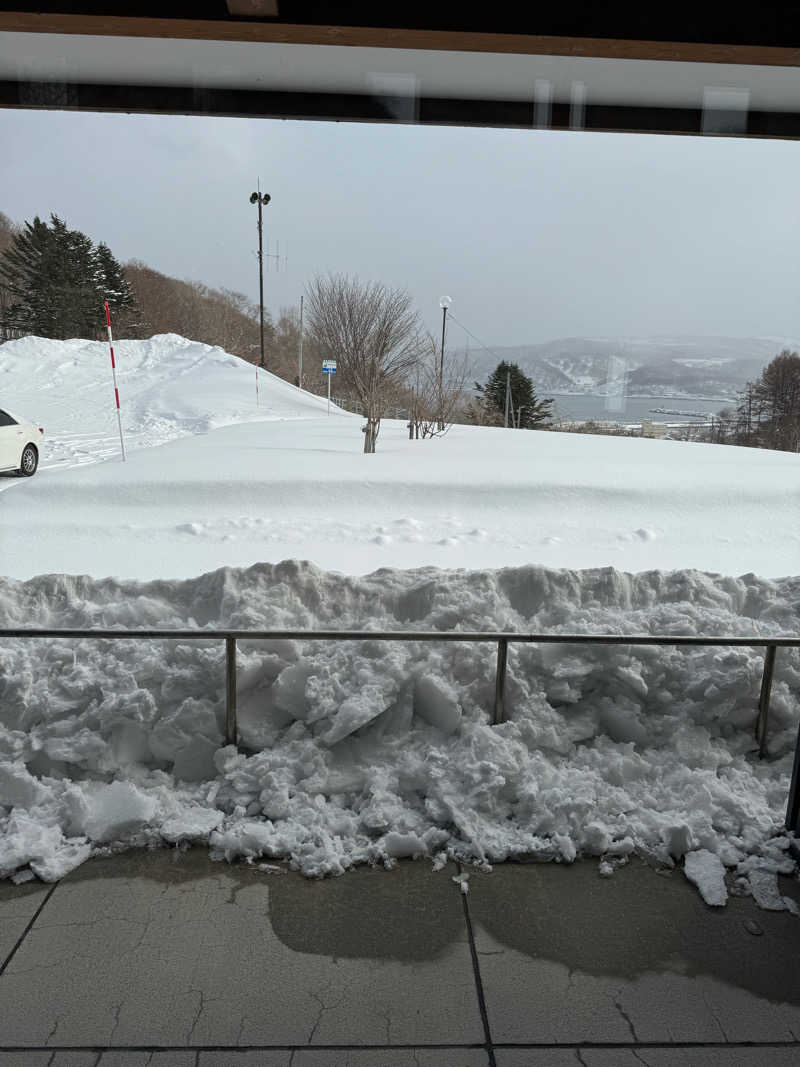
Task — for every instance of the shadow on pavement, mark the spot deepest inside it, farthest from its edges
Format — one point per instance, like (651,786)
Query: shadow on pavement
(638,921)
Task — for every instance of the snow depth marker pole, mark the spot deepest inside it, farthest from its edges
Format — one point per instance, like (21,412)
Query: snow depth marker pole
(114,376)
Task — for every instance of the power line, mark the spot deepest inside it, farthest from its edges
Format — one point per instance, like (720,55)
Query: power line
(474,338)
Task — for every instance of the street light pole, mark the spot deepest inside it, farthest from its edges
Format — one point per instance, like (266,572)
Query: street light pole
(444,304)
(260,199)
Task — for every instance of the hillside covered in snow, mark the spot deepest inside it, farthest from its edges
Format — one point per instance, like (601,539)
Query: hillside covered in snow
(234,514)
(714,367)
(215,479)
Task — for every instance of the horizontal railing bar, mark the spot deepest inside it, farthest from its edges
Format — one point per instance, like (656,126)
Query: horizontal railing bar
(411,635)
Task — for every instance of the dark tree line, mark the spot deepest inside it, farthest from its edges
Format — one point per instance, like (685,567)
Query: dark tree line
(55,281)
(767,414)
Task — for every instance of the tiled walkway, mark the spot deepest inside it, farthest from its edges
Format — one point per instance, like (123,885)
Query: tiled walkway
(167,959)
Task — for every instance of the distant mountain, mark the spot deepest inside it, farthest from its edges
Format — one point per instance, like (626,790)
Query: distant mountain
(661,366)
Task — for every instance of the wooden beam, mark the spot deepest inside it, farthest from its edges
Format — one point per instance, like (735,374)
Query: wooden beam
(256,9)
(371,37)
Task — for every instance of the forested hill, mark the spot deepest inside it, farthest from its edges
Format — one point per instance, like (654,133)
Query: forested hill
(165,305)
(677,366)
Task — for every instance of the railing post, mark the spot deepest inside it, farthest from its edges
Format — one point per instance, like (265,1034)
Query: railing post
(231,731)
(763,702)
(793,807)
(500,682)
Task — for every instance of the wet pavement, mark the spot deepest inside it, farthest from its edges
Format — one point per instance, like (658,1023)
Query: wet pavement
(167,959)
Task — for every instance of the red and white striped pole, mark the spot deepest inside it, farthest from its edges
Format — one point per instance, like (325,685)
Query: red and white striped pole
(114,376)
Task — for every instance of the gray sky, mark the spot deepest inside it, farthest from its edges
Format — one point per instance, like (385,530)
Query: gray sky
(534,234)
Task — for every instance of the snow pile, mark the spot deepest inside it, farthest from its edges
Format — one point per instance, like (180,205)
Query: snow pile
(364,752)
(169,387)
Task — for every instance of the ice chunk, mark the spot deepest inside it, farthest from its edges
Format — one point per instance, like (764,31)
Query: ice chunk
(114,811)
(706,871)
(18,788)
(435,702)
(462,881)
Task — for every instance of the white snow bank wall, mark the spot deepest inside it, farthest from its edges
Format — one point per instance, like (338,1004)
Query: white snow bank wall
(360,752)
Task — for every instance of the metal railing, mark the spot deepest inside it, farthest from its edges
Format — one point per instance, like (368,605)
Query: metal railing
(502,640)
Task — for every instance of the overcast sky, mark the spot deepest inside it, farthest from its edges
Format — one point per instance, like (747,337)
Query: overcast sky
(534,234)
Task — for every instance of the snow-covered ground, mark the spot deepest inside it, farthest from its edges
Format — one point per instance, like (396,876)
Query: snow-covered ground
(236,484)
(366,752)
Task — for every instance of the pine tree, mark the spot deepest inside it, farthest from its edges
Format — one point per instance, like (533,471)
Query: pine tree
(56,281)
(526,412)
(111,280)
(24,269)
(75,296)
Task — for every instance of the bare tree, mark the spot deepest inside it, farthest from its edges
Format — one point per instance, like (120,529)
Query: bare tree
(436,404)
(373,334)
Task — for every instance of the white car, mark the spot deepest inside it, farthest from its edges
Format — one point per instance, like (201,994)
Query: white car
(20,442)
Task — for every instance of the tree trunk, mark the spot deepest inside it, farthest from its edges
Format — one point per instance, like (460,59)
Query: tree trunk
(371,434)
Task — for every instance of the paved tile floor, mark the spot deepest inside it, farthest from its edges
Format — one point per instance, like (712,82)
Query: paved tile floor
(166,959)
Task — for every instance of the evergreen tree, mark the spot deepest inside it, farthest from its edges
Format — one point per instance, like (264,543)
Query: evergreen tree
(56,281)
(74,292)
(526,412)
(24,270)
(111,280)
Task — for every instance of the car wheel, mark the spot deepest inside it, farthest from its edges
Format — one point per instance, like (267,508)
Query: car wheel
(29,461)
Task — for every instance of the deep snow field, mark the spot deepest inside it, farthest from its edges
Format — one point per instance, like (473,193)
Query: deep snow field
(358,753)
(232,484)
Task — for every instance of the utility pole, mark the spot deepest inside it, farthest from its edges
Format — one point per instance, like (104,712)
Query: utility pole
(262,199)
(444,304)
(300,355)
(508,397)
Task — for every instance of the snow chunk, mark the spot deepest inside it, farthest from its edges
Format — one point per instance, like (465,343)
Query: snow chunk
(194,824)
(706,871)
(435,702)
(677,840)
(764,886)
(195,761)
(114,811)
(18,788)
(63,859)
(25,841)
(399,846)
